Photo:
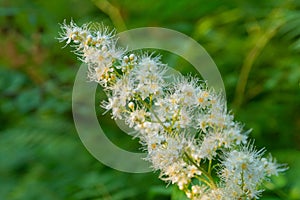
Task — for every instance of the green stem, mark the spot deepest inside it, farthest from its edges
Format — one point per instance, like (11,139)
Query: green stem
(207,175)
(209,166)
(113,12)
(117,73)
(243,182)
(257,49)
(151,110)
(204,181)
(156,116)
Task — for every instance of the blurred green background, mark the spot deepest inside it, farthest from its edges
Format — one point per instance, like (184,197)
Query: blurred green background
(255,44)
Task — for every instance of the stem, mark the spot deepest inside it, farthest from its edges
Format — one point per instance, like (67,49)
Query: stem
(151,100)
(117,73)
(151,110)
(209,167)
(113,12)
(155,115)
(243,181)
(205,181)
(207,175)
(259,45)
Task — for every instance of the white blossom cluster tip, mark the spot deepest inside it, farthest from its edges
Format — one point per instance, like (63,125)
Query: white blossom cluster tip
(185,128)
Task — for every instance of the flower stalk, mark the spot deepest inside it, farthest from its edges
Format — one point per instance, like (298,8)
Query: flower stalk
(184,127)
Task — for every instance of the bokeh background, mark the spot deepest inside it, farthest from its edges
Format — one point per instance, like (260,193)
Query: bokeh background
(255,44)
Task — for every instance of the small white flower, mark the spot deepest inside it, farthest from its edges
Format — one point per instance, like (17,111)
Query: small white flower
(116,106)
(244,171)
(210,145)
(137,117)
(69,32)
(148,76)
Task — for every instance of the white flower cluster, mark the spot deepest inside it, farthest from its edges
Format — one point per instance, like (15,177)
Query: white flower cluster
(185,128)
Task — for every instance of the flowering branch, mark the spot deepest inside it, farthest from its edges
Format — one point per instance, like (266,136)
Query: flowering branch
(184,127)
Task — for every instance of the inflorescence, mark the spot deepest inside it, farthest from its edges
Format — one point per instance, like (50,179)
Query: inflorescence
(184,127)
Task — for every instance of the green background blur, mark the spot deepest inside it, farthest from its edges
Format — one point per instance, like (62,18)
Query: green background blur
(255,44)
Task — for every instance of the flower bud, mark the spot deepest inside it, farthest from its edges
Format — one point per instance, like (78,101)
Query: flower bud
(104,48)
(132,57)
(126,59)
(131,105)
